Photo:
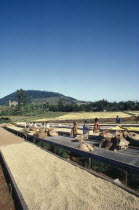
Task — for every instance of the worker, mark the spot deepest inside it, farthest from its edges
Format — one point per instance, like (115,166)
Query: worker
(96,128)
(85,128)
(74,129)
(117,119)
(47,125)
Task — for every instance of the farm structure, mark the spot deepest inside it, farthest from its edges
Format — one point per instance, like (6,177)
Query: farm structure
(12,103)
(128,160)
(121,159)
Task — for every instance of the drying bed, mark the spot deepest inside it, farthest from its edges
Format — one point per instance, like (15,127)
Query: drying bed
(48,182)
(127,160)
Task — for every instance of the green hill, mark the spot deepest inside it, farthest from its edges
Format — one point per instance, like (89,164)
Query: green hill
(38,96)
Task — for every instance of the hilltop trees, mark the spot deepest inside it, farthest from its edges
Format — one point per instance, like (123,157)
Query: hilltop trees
(21,99)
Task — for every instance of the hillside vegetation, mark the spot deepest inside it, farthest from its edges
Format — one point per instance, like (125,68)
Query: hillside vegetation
(39,103)
(37,96)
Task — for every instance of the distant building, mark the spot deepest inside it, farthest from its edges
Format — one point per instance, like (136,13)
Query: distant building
(12,103)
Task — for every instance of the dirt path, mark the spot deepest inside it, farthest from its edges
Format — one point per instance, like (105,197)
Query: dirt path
(7,138)
(6,201)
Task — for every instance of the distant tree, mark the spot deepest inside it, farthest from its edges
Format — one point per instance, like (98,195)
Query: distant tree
(60,105)
(53,108)
(46,106)
(136,105)
(130,105)
(21,97)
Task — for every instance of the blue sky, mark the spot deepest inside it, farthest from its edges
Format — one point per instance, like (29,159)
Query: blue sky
(86,49)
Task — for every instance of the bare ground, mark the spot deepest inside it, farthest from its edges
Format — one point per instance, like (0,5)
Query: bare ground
(6,201)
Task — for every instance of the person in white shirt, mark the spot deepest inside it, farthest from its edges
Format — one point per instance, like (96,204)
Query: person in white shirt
(47,125)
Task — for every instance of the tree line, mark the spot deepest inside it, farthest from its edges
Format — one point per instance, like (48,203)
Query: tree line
(24,108)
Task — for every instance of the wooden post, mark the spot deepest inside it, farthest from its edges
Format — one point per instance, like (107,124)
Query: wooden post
(90,161)
(126,177)
(34,141)
(41,143)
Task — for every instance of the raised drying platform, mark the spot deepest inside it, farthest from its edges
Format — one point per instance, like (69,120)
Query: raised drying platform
(127,160)
(53,183)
